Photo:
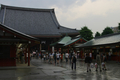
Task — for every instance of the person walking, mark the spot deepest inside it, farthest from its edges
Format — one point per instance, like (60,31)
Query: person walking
(109,56)
(70,56)
(88,60)
(54,56)
(61,57)
(73,62)
(66,56)
(98,61)
(58,57)
(104,62)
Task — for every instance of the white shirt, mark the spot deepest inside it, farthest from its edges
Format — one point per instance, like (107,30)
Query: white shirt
(110,53)
(66,55)
(90,54)
(58,55)
(26,54)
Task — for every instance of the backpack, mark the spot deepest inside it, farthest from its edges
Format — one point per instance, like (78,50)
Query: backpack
(105,59)
(54,55)
(74,59)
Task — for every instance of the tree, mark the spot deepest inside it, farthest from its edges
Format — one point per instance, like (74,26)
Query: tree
(119,26)
(107,30)
(97,34)
(86,33)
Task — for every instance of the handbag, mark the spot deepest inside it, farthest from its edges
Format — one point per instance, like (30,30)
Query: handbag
(92,65)
(95,65)
(103,64)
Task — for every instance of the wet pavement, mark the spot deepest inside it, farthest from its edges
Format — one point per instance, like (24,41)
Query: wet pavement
(46,71)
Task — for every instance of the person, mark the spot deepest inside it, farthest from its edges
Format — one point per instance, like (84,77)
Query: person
(98,61)
(73,62)
(66,56)
(104,62)
(44,57)
(88,60)
(70,56)
(54,56)
(27,56)
(50,58)
(109,56)
(90,54)
(61,57)
(58,56)
(85,55)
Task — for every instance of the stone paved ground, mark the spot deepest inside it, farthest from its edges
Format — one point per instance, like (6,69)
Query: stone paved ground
(46,71)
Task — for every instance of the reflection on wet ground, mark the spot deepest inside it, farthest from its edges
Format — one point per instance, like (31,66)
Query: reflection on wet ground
(46,71)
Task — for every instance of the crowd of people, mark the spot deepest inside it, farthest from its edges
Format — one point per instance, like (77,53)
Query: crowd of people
(100,62)
(57,58)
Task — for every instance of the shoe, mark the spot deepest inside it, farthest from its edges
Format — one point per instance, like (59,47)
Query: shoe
(96,70)
(105,69)
(100,70)
(87,70)
(90,70)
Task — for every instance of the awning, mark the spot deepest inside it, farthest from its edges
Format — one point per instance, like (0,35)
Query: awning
(62,41)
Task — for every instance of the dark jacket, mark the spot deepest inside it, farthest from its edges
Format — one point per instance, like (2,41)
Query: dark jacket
(88,60)
(74,59)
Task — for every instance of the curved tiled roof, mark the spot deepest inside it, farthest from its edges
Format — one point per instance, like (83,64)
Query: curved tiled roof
(103,40)
(31,21)
(18,33)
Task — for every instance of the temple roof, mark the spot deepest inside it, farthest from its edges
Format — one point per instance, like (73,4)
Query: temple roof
(103,40)
(33,21)
(74,40)
(17,33)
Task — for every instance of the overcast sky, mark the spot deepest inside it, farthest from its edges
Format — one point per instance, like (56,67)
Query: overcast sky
(95,14)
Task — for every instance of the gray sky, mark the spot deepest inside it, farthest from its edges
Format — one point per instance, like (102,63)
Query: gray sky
(95,14)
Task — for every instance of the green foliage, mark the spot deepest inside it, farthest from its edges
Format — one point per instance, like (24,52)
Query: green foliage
(97,34)
(107,30)
(119,26)
(86,33)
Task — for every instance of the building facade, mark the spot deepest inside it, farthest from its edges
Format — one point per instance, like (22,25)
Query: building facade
(39,23)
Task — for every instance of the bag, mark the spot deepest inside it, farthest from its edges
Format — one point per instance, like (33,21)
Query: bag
(54,55)
(103,64)
(74,59)
(92,65)
(95,65)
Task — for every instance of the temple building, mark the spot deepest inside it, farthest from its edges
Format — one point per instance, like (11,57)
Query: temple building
(20,26)
(39,23)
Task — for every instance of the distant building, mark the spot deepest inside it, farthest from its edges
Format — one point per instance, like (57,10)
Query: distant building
(115,29)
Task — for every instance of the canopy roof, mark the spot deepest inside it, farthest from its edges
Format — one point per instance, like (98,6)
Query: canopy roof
(34,22)
(65,41)
(74,40)
(62,41)
(103,40)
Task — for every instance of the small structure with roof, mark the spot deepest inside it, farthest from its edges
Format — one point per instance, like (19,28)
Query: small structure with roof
(103,44)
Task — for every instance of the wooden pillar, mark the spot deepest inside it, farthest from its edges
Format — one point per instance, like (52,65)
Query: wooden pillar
(91,53)
(119,54)
(81,54)
(119,57)
(25,55)
(28,54)
(68,49)
(48,48)
(53,49)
